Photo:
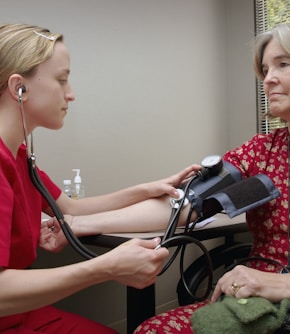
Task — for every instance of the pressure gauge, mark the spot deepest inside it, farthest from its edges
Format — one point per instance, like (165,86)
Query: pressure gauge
(211,161)
(214,163)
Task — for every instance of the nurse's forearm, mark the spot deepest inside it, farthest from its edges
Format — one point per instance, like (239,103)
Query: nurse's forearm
(135,263)
(25,290)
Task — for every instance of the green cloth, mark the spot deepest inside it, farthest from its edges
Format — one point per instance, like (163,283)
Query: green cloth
(232,315)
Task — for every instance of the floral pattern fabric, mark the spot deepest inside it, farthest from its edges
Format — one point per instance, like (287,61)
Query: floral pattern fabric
(177,321)
(267,154)
(263,154)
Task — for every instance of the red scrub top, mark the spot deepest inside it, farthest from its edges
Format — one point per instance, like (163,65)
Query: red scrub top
(20,209)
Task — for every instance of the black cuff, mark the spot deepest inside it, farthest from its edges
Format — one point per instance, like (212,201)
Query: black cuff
(241,196)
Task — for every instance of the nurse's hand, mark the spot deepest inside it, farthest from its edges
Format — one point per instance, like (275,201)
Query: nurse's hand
(52,238)
(136,263)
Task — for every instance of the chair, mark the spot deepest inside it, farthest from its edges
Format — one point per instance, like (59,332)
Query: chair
(197,273)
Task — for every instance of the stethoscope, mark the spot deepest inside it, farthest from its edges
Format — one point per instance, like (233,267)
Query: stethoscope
(211,166)
(168,239)
(35,179)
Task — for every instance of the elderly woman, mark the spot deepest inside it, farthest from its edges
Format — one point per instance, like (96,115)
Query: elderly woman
(269,223)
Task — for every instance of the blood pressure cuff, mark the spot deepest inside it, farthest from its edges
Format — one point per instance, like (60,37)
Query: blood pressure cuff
(201,188)
(228,191)
(245,195)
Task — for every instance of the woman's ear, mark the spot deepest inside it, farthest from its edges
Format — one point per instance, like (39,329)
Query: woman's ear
(16,87)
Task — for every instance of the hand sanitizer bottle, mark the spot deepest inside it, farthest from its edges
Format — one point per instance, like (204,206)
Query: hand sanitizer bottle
(79,190)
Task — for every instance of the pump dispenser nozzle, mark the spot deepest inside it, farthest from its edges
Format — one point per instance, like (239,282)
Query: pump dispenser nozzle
(79,188)
(77,178)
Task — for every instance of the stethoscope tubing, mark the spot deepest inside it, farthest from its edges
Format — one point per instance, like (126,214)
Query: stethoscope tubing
(70,236)
(168,240)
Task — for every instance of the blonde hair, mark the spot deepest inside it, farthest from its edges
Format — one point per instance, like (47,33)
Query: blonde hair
(281,33)
(22,48)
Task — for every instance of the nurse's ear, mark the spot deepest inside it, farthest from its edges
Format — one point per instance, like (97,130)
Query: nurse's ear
(17,88)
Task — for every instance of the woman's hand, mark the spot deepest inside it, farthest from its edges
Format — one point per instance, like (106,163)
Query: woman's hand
(168,185)
(51,236)
(244,282)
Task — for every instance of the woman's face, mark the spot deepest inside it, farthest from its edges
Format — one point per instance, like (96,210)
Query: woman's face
(49,92)
(276,68)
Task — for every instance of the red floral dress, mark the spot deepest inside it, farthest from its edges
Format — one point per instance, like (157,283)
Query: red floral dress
(266,154)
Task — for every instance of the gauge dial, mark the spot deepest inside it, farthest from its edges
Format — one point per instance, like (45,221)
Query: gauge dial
(211,161)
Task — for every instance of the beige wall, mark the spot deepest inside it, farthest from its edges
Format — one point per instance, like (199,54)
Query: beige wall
(241,89)
(160,84)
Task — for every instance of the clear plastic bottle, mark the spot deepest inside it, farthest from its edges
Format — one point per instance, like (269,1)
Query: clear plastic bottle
(67,188)
(79,189)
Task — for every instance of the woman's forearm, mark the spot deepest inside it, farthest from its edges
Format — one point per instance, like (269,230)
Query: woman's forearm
(150,215)
(146,216)
(112,201)
(126,197)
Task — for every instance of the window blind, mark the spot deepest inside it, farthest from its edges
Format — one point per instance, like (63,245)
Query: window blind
(268,13)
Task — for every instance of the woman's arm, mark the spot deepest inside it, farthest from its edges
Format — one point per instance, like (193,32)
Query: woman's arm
(126,197)
(141,208)
(146,216)
(135,263)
